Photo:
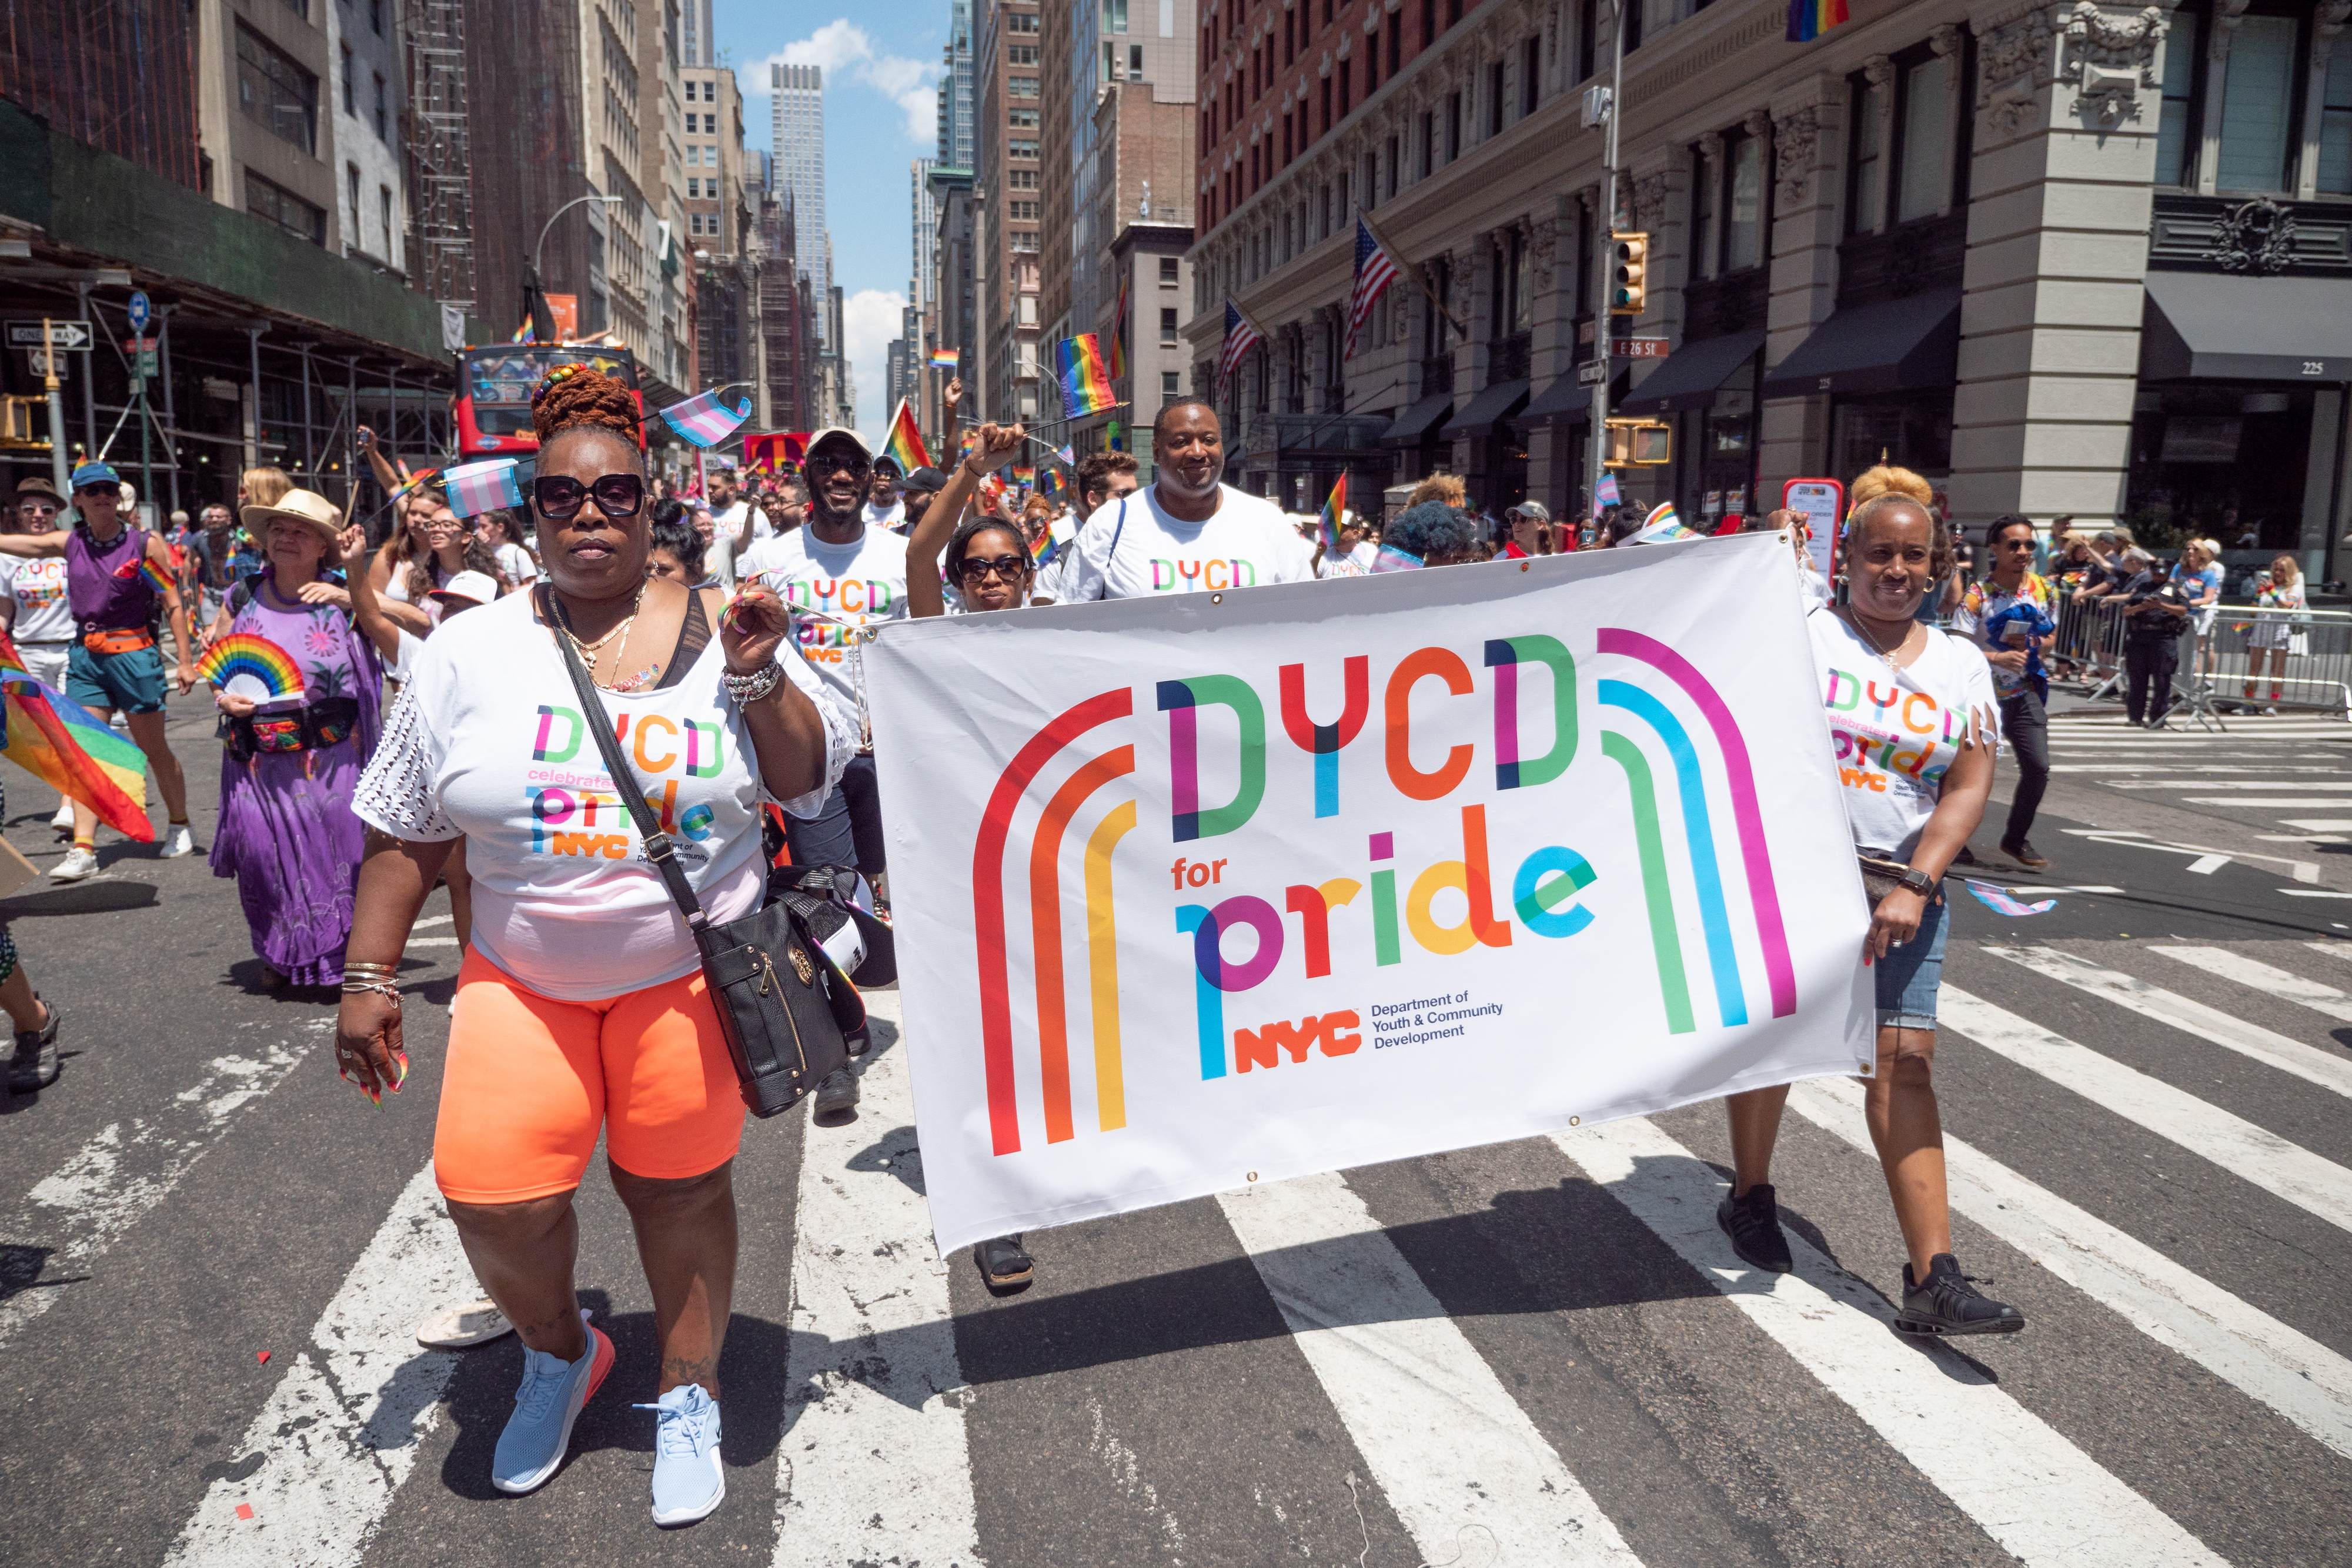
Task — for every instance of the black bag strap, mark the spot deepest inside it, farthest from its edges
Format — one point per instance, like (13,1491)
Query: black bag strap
(660,848)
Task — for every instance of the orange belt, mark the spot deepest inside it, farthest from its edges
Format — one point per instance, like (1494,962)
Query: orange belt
(126,640)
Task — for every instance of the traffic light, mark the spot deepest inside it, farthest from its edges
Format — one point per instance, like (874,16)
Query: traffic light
(1629,280)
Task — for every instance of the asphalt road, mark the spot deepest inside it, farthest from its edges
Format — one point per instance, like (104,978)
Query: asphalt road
(1533,1353)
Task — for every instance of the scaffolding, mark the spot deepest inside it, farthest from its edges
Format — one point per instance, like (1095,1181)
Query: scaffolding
(440,168)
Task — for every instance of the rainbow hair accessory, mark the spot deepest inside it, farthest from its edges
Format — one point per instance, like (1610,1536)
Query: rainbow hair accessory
(250,656)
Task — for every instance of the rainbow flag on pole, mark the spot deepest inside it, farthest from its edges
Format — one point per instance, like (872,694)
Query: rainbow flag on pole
(62,743)
(1118,333)
(1334,508)
(1086,380)
(1808,19)
(944,359)
(706,421)
(904,445)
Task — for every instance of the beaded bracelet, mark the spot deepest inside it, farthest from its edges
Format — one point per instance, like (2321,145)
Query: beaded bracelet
(361,988)
(751,688)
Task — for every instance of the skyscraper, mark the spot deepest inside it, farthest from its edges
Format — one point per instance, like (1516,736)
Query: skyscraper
(696,44)
(926,214)
(799,168)
(955,148)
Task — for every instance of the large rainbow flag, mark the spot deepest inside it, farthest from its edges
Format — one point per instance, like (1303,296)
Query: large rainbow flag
(905,443)
(67,748)
(1808,19)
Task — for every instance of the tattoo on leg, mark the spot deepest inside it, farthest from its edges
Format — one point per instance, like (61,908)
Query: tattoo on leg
(686,1371)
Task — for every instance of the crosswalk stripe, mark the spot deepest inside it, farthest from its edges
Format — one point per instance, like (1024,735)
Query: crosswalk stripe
(2319,824)
(2211,1024)
(342,1428)
(2264,1359)
(1447,1443)
(875,1464)
(2217,771)
(2269,780)
(2323,999)
(2237,1145)
(2262,802)
(126,1169)
(2028,1488)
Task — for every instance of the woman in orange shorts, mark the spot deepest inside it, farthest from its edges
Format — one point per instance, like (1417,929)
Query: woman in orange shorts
(581,1007)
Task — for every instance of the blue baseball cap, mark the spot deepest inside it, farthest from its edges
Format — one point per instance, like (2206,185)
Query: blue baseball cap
(92,474)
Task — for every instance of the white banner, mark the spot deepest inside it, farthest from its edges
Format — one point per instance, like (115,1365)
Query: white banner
(1223,888)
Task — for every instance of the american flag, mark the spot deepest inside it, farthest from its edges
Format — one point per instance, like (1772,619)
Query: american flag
(1375,270)
(1241,337)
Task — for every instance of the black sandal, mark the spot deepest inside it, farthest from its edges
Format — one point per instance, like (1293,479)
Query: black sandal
(1002,1262)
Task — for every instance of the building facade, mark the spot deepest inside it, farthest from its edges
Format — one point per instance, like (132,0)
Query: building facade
(797,122)
(955,309)
(266,107)
(1008,207)
(717,216)
(363,46)
(2040,253)
(955,89)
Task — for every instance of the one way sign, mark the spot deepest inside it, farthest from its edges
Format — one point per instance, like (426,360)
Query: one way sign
(70,335)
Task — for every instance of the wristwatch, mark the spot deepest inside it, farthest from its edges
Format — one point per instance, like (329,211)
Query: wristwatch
(1918,881)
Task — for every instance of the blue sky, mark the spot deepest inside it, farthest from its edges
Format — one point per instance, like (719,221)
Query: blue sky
(881,66)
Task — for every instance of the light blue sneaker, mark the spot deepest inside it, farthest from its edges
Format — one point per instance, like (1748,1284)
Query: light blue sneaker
(540,1430)
(689,1480)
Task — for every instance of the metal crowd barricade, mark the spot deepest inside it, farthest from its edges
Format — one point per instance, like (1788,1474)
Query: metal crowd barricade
(2214,667)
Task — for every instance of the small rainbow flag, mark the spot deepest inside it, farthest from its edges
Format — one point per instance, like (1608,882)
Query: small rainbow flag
(524,334)
(1118,333)
(1334,507)
(1024,475)
(945,359)
(422,476)
(1086,380)
(1808,19)
(1663,524)
(256,660)
(477,487)
(62,743)
(706,421)
(1044,549)
(156,577)
(904,445)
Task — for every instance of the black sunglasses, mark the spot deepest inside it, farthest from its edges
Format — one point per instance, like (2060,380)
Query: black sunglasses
(827,463)
(559,499)
(101,490)
(975,569)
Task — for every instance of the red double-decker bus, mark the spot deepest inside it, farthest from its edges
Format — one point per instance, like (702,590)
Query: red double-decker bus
(492,408)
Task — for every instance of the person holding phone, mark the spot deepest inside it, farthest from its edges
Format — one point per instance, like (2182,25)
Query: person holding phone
(2000,613)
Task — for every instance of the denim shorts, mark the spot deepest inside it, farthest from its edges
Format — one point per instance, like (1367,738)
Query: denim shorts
(1908,975)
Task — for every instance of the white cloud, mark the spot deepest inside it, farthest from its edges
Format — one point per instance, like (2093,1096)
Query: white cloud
(870,319)
(847,54)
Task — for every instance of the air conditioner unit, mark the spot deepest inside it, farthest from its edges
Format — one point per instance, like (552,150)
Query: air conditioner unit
(1596,106)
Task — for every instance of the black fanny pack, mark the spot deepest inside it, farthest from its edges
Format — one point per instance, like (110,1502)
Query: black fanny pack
(328,722)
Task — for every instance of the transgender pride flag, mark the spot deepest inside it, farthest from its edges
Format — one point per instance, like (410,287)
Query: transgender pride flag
(485,486)
(707,420)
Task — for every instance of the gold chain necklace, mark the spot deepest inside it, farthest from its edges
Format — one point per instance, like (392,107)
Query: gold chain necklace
(591,653)
(1886,656)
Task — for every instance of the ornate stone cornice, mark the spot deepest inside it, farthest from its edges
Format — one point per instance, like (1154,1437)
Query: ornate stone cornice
(1543,244)
(2014,58)
(1796,144)
(2110,59)
(2226,16)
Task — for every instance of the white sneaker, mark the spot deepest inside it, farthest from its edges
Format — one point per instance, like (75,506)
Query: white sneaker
(79,863)
(63,821)
(179,841)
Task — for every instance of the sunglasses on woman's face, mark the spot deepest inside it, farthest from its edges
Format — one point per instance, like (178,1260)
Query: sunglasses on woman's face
(559,499)
(975,569)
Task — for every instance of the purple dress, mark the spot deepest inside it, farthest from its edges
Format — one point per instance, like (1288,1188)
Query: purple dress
(287,832)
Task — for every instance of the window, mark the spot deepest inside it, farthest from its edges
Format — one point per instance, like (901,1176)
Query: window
(1743,229)
(1021,87)
(351,189)
(383,204)
(1494,75)
(1344,97)
(1023,54)
(1166,272)
(1396,41)
(1630,18)
(1135,62)
(1866,200)
(299,7)
(1326,90)
(1923,182)
(1167,386)
(1022,178)
(1428,23)
(694,188)
(1428,141)
(1168,326)
(375,17)
(1372,65)
(1023,118)
(1020,148)
(1531,73)
(351,100)
(383,115)
(273,90)
(1453,126)
(2336,126)
(2257,103)
(1114,15)
(274,203)
(1704,173)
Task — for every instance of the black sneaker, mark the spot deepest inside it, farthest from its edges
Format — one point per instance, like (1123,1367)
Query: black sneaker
(1949,1304)
(2021,851)
(1753,1223)
(1002,1262)
(836,1094)
(35,1063)
(1966,857)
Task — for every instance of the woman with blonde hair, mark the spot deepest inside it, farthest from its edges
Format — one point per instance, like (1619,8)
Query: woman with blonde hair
(1446,489)
(262,487)
(1892,479)
(2276,632)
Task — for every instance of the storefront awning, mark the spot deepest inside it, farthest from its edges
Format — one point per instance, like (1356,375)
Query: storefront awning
(1566,400)
(1895,345)
(2203,326)
(1490,408)
(1415,424)
(1695,372)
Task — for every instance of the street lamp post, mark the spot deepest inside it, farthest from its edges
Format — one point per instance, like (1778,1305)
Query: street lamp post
(1605,321)
(531,289)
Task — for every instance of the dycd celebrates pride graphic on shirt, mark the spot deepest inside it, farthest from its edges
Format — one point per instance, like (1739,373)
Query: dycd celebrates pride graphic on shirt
(1232,887)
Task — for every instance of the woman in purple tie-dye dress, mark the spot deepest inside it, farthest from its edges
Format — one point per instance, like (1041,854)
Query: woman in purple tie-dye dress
(287,832)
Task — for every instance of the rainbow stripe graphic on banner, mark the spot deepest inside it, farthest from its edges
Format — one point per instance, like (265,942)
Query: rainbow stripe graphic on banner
(706,421)
(1737,779)
(1662,526)
(1084,378)
(1334,506)
(65,746)
(254,658)
(905,443)
(1808,19)
(474,488)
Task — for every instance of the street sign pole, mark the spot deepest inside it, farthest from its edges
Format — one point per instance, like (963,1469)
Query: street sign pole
(57,472)
(1604,323)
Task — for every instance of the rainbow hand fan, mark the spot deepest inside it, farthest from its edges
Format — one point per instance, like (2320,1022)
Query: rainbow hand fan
(250,665)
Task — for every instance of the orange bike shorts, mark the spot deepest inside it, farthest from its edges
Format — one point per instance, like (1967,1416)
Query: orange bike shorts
(529,1079)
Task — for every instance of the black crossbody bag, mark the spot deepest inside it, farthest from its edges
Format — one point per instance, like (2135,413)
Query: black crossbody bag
(789,1017)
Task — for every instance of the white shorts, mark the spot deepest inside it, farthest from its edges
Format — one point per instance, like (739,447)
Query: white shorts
(46,661)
